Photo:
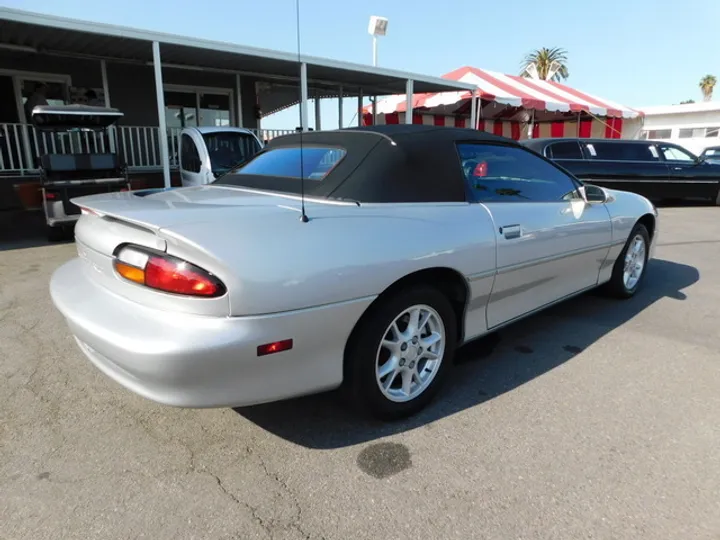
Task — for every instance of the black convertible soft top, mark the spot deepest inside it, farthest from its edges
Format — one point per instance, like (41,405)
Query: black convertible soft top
(387,163)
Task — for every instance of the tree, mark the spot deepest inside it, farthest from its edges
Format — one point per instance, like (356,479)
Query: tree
(687,101)
(551,62)
(707,85)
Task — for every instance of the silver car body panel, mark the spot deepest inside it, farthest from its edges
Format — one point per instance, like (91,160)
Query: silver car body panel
(199,361)
(310,282)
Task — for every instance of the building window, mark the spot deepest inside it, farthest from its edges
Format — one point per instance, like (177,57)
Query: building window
(198,107)
(658,134)
(690,133)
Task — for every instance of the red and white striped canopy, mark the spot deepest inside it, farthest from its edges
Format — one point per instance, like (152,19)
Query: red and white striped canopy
(513,91)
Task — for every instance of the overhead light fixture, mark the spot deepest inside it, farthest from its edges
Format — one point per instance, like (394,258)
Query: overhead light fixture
(378,26)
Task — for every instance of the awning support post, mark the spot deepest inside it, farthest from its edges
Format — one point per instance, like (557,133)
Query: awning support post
(374,110)
(340,108)
(303,97)
(531,125)
(578,126)
(318,112)
(409,101)
(360,108)
(106,94)
(473,109)
(160,97)
(238,101)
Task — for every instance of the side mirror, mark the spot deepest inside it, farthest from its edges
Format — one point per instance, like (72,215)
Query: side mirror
(594,194)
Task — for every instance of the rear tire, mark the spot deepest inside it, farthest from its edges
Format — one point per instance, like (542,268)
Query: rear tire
(630,266)
(400,353)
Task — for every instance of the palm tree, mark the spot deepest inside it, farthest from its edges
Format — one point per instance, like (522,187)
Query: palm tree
(707,85)
(551,62)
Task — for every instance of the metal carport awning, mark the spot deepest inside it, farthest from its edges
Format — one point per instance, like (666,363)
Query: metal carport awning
(47,34)
(50,35)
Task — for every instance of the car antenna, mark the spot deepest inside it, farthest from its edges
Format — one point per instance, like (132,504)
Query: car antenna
(303,216)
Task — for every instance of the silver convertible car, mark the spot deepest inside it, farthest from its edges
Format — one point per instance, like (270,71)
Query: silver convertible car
(357,259)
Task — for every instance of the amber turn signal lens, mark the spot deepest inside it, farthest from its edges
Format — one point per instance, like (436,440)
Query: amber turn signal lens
(130,272)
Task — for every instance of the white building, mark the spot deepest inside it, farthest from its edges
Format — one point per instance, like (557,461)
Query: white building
(694,126)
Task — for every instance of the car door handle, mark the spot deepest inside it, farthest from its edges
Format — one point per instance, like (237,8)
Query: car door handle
(510,231)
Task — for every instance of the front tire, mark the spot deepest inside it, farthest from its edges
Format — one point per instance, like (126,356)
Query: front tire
(401,352)
(630,266)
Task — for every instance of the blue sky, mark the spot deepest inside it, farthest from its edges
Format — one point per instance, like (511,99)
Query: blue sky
(635,52)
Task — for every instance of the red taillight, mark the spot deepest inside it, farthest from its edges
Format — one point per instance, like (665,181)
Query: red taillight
(50,196)
(166,273)
(179,278)
(275,347)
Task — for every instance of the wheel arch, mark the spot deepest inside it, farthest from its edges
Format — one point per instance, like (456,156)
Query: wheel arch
(448,281)
(649,221)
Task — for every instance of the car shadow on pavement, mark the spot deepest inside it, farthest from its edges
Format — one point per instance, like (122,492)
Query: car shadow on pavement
(486,368)
(24,229)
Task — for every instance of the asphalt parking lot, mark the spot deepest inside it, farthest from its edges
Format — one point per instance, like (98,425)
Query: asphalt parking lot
(595,419)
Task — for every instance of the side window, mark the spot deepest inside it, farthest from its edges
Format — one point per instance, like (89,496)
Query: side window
(565,150)
(189,156)
(617,151)
(498,173)
(672,153)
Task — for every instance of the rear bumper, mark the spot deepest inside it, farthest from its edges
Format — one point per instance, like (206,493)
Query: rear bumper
(198,361)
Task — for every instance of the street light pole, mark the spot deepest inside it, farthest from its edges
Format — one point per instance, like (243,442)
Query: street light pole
(377,27)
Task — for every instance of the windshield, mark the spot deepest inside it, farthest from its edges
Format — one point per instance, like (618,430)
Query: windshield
(228,149)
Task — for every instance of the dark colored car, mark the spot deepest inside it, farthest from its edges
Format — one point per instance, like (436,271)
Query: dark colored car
(711,155)
(655,169)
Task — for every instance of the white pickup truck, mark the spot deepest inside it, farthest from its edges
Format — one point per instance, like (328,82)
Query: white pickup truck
(208,152)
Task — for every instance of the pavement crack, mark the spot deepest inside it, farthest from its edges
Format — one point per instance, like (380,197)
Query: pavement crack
(267,527)
(297,521)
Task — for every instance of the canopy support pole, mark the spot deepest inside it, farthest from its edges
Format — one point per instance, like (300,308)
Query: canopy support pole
(409,101)
(318,112)
(473,109)
(578,126)
(238,100)
(340,108)
(160,97)
(531,125)
(374,110)
(303,97)
(106,94)
(359,108)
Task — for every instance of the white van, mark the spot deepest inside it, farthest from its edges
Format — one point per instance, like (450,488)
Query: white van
(208,152)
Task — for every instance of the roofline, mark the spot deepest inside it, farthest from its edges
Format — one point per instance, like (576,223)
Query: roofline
(65,23)
(211,129)
(680,108)
(595,140)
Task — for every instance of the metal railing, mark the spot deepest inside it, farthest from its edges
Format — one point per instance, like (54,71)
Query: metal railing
(139,146)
